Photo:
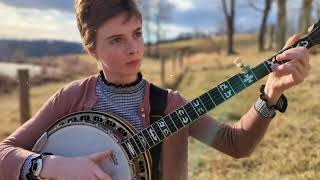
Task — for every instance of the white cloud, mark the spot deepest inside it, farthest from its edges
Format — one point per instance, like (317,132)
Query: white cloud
(168,31)
(171,31)
(182,5)
(61,5)
(53,20)
(24,23)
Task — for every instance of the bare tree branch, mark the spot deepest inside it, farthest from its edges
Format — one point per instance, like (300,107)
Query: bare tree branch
(224,7)
(263,26)
(230,23)
(253,6)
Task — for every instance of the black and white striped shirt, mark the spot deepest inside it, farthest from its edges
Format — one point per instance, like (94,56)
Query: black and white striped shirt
(121,101)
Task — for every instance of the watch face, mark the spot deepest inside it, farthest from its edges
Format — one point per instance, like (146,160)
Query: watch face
(282,104)
(35,166)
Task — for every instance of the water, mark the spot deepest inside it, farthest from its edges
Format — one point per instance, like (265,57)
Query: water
(11,69)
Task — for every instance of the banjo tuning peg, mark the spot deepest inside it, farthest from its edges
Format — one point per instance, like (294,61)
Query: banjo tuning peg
(244,67)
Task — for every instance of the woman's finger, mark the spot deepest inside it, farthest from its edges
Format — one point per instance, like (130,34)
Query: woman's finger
(301,69)
(293,39)
(286,69)
(97,157)
(295,53)
(297,76)
(100,174)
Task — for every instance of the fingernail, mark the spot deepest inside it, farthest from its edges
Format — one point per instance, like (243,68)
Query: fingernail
(279,56)
(274,67)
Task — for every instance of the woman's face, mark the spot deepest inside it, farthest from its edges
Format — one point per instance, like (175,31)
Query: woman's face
(119,46)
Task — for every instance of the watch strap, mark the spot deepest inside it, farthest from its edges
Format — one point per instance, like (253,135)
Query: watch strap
(281,104)
(262,108)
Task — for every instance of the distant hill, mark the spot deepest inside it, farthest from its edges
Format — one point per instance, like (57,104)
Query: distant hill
(16,50)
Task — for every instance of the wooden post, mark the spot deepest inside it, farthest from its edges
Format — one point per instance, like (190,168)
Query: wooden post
(173,62)
(181,59)
(187,56)
(23,75)
(162,75)
(271,37)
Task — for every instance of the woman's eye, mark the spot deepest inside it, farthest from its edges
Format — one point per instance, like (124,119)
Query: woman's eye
(138,34)
(116,40)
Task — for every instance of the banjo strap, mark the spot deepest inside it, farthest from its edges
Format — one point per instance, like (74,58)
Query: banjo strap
(158,103)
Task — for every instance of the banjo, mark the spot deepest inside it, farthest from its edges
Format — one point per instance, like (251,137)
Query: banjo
(87,132)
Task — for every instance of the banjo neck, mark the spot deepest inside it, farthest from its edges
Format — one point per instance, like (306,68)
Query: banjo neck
(190,112)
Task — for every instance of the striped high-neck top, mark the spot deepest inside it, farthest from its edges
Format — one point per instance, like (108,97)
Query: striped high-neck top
(123,101)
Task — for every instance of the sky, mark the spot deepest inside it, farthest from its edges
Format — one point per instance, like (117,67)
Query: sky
(55,19)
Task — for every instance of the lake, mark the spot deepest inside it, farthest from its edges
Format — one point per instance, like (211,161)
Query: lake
(10,69)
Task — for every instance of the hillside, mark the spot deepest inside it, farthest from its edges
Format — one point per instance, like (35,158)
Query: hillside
(16,50)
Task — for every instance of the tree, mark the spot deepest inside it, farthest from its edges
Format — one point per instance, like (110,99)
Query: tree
(162,15)
(229,15)
(263,25)
(318,9)
(305,16)
(155,13)
(281,15)
(271,36)
(147,23)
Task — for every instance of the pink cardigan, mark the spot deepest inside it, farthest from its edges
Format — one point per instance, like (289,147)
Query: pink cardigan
(237,141)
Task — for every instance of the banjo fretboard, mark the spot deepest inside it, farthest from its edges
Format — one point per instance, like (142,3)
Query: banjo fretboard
(188,113)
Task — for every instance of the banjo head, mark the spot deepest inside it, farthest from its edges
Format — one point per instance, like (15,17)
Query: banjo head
(84,133)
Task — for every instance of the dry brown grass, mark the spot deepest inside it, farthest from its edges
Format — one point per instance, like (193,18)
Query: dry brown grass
(67,68)
(7,84)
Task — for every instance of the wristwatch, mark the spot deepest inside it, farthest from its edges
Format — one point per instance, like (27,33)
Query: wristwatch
(36,167)
(267,111)
(263,109)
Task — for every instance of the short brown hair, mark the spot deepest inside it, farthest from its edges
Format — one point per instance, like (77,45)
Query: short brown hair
(91,14)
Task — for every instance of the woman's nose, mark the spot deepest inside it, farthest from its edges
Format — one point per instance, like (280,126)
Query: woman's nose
(133,48)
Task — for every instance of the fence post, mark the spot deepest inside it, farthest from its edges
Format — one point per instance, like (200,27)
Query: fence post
(181,56)
(173,62)
(162,75)
(23,75)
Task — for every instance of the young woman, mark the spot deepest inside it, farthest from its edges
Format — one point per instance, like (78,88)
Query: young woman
(112,33)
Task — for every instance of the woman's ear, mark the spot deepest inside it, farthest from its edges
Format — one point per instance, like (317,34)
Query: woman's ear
(92,51)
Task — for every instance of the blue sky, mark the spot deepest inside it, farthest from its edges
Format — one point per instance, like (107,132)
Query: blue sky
(54,19)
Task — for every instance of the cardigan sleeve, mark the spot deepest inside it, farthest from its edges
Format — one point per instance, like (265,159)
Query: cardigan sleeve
(237,140)
(15,149)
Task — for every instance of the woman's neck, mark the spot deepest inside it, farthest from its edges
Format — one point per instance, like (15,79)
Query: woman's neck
(120,79)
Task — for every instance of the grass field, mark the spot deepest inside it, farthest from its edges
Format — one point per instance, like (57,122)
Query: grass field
(289,150)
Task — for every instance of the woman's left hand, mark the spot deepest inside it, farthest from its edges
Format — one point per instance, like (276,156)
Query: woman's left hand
(289,74)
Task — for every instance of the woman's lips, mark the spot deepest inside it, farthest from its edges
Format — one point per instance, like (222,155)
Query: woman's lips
(133,62)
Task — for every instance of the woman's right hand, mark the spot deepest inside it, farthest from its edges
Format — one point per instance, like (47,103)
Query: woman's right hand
(75,168)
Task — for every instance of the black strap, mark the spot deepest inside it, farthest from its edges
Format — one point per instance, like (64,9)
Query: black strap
(158,103)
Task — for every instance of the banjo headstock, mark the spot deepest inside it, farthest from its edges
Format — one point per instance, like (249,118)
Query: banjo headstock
(309,40)
(313,37)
